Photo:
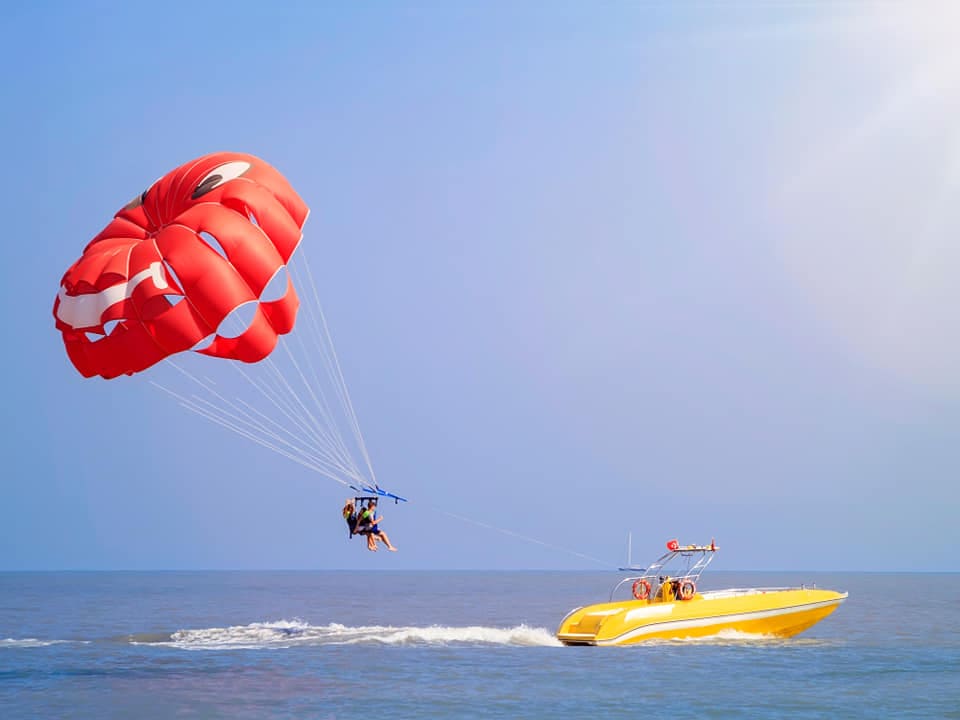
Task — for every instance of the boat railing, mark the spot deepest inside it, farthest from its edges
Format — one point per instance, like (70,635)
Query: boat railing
(656,581)
(725,592)
(686,563)
(731,592)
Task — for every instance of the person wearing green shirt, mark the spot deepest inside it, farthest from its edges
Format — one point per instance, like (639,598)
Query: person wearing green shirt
(370,522)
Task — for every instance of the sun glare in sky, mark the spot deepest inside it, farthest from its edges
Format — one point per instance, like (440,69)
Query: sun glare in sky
(867,203)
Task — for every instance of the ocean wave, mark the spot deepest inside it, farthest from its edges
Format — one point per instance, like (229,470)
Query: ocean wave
(35,642)
(290,633)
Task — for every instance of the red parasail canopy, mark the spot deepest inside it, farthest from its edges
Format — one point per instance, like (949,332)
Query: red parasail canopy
(152,283)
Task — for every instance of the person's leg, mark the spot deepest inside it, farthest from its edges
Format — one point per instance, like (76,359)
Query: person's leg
(386,541)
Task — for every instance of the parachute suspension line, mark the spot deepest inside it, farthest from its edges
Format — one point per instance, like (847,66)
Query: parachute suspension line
(284,396)
(333,439)
(194,407)
(219,420)
(298,406)
(275,398)
(256,424)
(524,537)
(296,411)
(260,441)
(325,350)
(341,385)
(321,401)
(224,415)
(321,454)
(279,402)
(275,387)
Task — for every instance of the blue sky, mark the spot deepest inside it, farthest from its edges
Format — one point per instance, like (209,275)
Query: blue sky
(676,269)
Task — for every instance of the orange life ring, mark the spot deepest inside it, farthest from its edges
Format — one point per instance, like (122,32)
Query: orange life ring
(687,590)
(641,589)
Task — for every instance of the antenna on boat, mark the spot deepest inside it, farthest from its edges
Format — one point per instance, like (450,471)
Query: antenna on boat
(629,566)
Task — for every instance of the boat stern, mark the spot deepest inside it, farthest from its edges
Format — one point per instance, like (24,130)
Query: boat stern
(594,624)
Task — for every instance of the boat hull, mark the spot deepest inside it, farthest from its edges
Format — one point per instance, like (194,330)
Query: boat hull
(775,613)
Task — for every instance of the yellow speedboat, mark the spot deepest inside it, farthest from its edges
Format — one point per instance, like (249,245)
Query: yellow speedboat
(667,604)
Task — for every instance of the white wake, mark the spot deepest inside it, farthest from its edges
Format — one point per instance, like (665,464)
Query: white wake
(291,633)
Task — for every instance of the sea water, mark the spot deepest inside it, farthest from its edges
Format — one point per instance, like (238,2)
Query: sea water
(452,645)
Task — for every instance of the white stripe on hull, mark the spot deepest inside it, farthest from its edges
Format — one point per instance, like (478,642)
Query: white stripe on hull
(719,620)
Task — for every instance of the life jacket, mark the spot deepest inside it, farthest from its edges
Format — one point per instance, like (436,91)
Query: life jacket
(365,518)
